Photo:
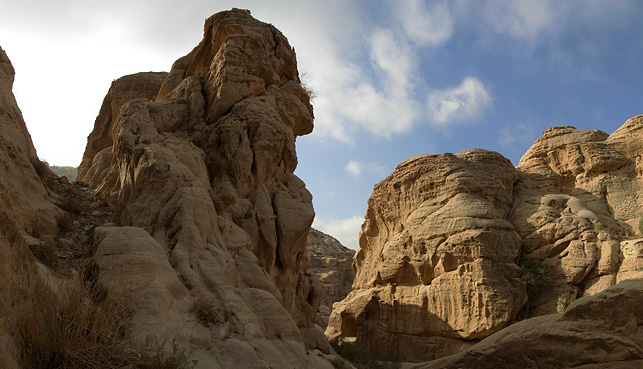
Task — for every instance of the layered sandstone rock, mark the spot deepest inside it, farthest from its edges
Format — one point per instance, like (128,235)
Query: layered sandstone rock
(599,331)
(330,262)
(208,206)
(577,197)
(437,266)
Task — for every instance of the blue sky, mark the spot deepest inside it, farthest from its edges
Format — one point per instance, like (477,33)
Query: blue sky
(392,79)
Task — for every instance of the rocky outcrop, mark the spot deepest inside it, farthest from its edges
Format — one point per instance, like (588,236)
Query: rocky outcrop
(144,85)
(599,331)
(330,262)
(22,177)
(444,235)
(25,208)
(577,198)
(208,207)
(436,267)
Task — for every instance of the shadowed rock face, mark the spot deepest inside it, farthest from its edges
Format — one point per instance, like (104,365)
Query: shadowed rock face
(202,178)
(599,331)
(25,208)
(437,268)
(330,262)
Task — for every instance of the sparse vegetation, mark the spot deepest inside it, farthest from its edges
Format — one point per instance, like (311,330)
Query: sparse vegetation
(205,311)
(70,172)
(79,324)
(363,359)
(46,253)
(641,225)
(536,274)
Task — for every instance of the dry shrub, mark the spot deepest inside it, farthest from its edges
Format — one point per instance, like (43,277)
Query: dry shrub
(206,312)
(65,222)
(47,253)
(79,324)
(71,204)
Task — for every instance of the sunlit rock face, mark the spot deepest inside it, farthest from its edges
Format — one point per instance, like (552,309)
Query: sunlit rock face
(436,266)
(598,331)
(444,235)
(578,201)
(202,178)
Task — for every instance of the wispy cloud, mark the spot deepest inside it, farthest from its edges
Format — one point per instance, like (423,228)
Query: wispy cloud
(355,168)
(425,24)
(465,102)
(346,230)
(378,90)
(520,19)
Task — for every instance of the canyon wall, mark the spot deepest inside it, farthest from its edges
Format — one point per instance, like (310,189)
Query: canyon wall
(330,262)
(456,247)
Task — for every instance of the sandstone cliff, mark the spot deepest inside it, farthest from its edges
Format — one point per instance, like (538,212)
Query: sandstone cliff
(200,170)
(448,240)
(330,262)
(599,331)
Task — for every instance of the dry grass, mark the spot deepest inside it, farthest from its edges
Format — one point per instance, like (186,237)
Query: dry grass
(47,253)
(79,324)
(206,312)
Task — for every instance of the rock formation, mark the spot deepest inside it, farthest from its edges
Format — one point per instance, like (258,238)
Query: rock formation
(598,331)
(436,266)
(444,236)
(200,170)
(99,143)
(28,209)
(331,262)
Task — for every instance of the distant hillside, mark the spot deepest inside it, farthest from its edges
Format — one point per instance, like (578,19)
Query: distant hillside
(69,172)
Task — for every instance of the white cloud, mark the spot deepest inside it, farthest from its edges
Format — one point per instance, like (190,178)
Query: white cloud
(465,102)
(520,19)
(356,168)
(430,25)
(345,230)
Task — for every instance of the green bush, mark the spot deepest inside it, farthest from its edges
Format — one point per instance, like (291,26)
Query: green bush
(536,274)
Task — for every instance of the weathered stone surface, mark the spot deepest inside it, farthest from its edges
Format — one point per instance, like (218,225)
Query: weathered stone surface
(600,331)
(436,267)
(205,174)
(577,196)
(26,210)
(99,142)
(442,239)
(23,176)
(331,262)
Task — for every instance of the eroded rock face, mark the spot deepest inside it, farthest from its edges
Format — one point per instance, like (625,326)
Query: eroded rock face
(25,208)
(204,175)
(599,331)
(330,262)
(437,267)
(99,143)
(577,197)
